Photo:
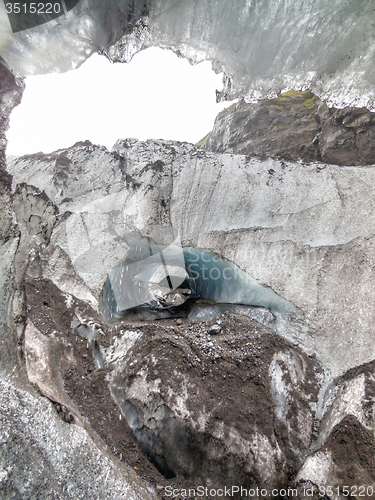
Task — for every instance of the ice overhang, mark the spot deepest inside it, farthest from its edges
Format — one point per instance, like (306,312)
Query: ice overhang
(263,47)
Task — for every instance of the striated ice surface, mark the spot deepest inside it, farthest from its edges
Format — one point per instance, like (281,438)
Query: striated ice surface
(66,42)
(209,312)
(262,46)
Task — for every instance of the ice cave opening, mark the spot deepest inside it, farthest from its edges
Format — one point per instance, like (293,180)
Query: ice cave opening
(159,281)
(156,96)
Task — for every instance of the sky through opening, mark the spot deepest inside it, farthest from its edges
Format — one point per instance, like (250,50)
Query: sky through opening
(156,96)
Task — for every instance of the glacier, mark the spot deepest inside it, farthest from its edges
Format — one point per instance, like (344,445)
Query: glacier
(269,407)
(263,47)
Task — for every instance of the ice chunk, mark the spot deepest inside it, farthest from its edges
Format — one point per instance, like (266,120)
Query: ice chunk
(147,275)
(208,312)
(66,42)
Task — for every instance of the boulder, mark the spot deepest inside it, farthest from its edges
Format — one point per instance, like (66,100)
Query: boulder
(285,127)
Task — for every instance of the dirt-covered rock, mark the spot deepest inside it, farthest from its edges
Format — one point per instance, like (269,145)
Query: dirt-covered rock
(220,402)
(222,408)
(295,126)
(286,127)
(343,450)
(347,137)
(208,401)
(345,464)
(295,378)
(352,394)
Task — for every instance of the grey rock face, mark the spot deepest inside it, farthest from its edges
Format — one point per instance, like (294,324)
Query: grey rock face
(347,137)
(286,127)
(10,309)
(295,126)
(36,216)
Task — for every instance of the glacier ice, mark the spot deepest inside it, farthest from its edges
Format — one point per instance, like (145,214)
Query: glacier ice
(146,276)
(262,46)
(305,230)
(215,278)
(66,42)
(164,277)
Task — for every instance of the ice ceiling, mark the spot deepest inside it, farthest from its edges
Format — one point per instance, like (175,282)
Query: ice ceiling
(263,46)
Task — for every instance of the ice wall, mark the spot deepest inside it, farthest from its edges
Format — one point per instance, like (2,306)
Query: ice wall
(305,230)
(263,46)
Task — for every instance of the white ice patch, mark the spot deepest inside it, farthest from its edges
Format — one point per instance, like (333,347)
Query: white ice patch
(120,347)
(180,399)
(68,300)
(317,468)
(143,390)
